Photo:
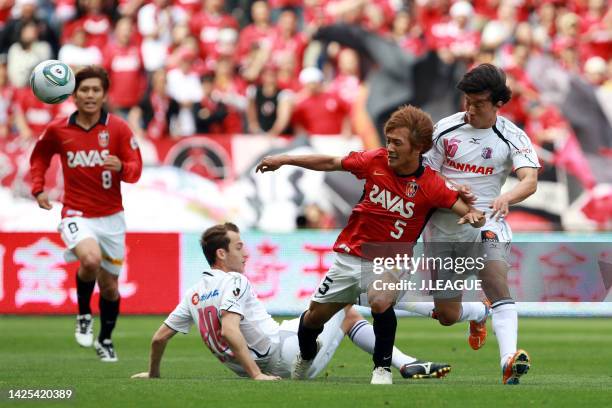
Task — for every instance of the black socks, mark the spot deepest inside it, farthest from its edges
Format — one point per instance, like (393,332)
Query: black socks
(385,325)
(109,310)
(84,291)
(307,339)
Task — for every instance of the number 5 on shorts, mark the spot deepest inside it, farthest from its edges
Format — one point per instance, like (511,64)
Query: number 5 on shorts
(325,285)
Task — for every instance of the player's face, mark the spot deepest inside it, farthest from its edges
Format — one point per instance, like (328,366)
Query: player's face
(90,95)
(236,256)
(400,151)
(480,111)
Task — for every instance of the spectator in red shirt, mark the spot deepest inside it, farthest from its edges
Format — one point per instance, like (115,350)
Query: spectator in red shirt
(408,34)
(7,97)
(288,41)
(95,21)
(457,36)
(32,115)
(318,112)
(124,65)
(230,89)
(260,33)
(206,24)
(152,117)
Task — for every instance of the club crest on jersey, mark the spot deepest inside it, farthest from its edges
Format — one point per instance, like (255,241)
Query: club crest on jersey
(487,152)
(103,138)
(451,146)
(195,299)
(411,189)
(236,292)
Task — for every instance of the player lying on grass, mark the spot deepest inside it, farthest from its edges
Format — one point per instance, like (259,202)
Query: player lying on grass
(242,335)
(399,195)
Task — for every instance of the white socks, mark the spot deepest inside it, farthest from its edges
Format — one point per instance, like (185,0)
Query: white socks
(362,334)
(505,324)
(470,310)
(422,308)
(473,311)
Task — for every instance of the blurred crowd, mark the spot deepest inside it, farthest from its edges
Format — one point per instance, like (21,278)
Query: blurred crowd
(184,67)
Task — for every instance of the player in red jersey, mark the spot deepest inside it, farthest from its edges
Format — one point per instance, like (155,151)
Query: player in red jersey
(399,195)
(98,151)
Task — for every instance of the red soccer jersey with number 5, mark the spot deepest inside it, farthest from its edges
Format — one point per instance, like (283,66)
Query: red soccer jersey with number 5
(89,189)
(393,208)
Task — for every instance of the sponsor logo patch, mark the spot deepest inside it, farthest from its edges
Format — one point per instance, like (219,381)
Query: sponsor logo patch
(489,236)
(195,299)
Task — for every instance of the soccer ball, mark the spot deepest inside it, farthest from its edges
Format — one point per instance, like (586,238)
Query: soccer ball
(52,81)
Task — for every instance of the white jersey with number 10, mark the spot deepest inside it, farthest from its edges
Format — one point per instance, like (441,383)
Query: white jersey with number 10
(232,292)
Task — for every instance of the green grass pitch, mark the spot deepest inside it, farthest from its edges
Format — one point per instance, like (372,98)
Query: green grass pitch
(571,367)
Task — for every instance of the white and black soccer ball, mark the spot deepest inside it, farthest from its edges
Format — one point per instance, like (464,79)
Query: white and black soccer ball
(52,81)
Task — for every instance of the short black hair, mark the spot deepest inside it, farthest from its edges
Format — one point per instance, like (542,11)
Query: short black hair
(486,78)
(215,238)
(92,71)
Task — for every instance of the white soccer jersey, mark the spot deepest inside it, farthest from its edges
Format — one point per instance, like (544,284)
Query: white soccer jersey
(480,158)
(230,291)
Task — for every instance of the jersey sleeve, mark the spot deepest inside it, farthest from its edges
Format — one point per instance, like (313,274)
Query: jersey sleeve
(359,163)
(130,156)
(434,157)
(440,193)
(180,319)
(44,149)
(523,153)
(235,294)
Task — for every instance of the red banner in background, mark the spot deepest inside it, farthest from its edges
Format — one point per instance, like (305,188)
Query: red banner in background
(34,278)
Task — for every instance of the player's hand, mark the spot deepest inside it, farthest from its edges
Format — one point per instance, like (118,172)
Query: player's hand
(113,163)
(466,194)
(500,207)
(475,218)
(144,374)
(269,163)
(266,377)
(43,201)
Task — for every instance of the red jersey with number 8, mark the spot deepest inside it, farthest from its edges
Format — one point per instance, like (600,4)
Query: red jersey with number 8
(393,208)
(89,189)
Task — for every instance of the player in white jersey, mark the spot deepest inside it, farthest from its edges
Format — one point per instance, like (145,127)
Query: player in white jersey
(242,335)
(476,150)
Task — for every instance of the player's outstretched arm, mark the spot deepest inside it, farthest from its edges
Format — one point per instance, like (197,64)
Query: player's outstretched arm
(319,162)
(469,215)
(158,345)
(527,185)
(230,332)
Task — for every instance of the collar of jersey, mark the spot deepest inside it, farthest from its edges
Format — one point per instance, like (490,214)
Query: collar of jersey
(417,173)
(101,121)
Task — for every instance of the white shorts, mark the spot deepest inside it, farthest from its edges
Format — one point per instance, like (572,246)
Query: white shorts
(330,339)
(493,243)
(109,233)
(342,283)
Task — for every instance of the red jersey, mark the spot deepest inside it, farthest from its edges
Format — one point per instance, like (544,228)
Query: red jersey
(126,74)
(320,114)
(89,189)
(393,208)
